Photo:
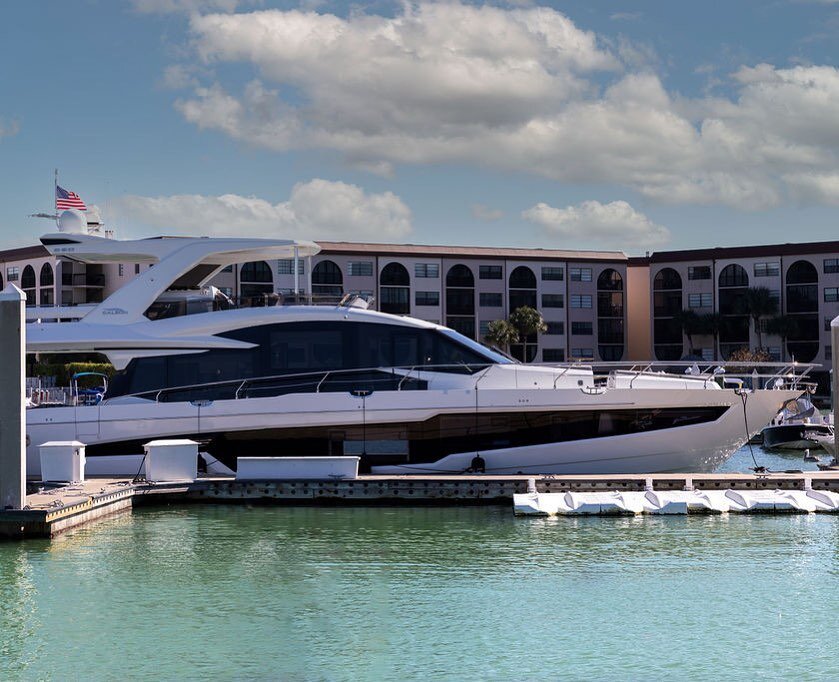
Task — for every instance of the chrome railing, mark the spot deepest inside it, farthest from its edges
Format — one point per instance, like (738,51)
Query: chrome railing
(791,375)
(409,377)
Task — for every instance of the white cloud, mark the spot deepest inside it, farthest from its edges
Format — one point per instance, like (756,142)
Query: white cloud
(820,187)
(486,213)
(179,77)
(614,225)
(318,209)
(366,80)
(517,89)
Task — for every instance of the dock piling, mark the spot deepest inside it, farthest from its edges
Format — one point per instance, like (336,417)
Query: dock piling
(12,394)
(834,379)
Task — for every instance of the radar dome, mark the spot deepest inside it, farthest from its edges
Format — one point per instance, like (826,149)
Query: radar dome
(72,220)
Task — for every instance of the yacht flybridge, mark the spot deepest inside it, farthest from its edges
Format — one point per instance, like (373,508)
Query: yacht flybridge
(406,395)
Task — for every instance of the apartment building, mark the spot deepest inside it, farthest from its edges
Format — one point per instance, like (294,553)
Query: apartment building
(581,294)
(803,280)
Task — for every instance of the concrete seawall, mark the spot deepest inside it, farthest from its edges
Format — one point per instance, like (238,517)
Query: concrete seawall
(50,512)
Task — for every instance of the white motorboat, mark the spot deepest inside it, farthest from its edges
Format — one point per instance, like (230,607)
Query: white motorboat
(409,396)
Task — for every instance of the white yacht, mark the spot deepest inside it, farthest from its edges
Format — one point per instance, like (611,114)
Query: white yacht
(409,396)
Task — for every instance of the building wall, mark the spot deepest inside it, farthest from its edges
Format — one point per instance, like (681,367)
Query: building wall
(639,319)
(490,296)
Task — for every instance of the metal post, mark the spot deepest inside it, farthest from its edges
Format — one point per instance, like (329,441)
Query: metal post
(834,356)
(12,408)
(309,280)
(296,274)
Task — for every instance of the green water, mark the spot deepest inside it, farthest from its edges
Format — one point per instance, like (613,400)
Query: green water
(422,594)
(227,592)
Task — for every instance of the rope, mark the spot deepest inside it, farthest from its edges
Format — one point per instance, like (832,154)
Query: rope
(757,468)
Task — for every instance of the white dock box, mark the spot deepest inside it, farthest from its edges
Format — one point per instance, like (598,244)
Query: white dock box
(62,461)
(269,468)
(171,460)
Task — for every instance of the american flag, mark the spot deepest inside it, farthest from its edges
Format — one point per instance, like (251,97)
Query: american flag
(65,199)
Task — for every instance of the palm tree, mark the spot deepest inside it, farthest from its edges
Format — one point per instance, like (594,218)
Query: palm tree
(501,333)
(528,321)
(690,324)
(783,326)
(711,323)
(760,303)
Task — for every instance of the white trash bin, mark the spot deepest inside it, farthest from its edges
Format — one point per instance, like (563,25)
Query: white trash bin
(171,460)
(62,461)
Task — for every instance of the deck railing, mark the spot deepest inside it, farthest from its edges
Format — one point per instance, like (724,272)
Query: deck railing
(421,377)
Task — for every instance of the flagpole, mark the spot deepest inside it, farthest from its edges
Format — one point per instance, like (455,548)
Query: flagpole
(54,195)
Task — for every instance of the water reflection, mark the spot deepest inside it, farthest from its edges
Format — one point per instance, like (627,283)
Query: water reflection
(19,615)
(431,593)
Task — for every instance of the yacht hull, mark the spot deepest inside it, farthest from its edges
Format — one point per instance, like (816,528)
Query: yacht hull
(114,431)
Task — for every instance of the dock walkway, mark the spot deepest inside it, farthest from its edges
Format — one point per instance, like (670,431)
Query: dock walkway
(51,511)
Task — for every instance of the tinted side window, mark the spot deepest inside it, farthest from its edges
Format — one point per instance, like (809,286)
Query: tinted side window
(298,347)
(146,374)
(302,351)
(382,345)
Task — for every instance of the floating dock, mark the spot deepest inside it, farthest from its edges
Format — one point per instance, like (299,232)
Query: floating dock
(50,511)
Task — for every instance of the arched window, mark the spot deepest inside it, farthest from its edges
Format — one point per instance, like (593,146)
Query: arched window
(47,280)
(327,280)
(27,279)
(610,324)
(734,330)
(460,300)
(733,276)
(460,276)
(522,278)
(522,288)
(395,274)
(802,272)
(255,281)
(47,276)
(27,283)
(667,279)
(611,280)
(523,293)
(395,289)
(802,303)
(257,271)
(667,303)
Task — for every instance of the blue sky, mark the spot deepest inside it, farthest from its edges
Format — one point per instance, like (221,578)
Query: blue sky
(627,125)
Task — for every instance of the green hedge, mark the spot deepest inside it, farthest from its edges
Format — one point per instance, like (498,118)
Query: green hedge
(63,372)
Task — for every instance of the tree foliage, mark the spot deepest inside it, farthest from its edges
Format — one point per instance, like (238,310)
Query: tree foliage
(528,321)
(501,333)
(759,304)
(690,324)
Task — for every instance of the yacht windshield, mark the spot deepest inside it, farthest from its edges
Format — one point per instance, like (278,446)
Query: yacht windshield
(490,354)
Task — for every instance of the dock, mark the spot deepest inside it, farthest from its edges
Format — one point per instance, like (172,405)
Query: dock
(48,512)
